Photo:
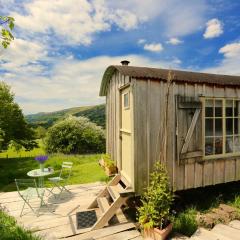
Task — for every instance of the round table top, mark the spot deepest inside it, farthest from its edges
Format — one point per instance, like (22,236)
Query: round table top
(39,173)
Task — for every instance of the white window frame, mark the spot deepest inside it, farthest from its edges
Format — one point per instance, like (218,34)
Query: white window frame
(224,154)
(128,95)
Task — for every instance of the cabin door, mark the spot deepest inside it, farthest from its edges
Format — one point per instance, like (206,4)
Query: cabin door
(126,135)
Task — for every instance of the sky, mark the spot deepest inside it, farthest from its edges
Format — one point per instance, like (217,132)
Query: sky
(62,47)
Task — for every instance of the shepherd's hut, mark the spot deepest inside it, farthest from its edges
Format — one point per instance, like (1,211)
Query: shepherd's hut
(200,113)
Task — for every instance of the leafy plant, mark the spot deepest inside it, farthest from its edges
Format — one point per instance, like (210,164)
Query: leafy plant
(9,230)
(75,135)
(156,200)
(108,162)
(6,36)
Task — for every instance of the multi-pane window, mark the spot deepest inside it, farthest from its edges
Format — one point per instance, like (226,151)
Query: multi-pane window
(222,126)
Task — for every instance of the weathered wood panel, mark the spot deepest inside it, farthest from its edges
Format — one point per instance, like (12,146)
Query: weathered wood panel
(148,115)
(140,135)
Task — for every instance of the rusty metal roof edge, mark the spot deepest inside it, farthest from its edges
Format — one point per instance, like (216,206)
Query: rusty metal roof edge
(161,74)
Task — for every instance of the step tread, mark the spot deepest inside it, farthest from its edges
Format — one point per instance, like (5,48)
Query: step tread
(204,234)
(226,231)
(114,191)
(235,224)
(103,204)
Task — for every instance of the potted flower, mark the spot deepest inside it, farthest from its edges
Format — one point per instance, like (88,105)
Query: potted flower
(108,164)
(153,215)
(41,160)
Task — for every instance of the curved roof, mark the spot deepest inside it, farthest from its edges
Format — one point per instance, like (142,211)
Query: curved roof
(162,74)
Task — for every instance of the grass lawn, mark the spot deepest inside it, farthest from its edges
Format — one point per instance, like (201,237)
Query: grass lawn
(85,167)
(189,202)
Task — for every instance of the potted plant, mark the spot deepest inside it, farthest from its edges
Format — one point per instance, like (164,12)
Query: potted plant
(153,215)
(108,164)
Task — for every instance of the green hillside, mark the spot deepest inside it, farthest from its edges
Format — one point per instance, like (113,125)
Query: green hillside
(96,114)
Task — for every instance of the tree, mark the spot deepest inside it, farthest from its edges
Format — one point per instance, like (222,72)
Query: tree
(13,126)
(75,135)
(6,27)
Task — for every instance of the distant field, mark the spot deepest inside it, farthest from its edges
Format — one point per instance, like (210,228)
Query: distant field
(11,153)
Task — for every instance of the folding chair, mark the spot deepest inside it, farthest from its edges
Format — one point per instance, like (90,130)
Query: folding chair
(27,190)
(61,181)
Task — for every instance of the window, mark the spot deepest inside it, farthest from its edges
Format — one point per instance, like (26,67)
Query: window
(126,100)
(222,126)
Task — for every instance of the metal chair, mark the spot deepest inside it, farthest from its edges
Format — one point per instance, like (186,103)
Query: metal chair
(61,181)
(27,190)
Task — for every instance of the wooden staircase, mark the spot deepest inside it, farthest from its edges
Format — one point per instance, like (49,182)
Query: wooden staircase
(111,199)
(219,232)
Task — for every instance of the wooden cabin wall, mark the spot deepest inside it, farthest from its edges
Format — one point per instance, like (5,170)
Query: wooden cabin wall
(113,106)
(149,105)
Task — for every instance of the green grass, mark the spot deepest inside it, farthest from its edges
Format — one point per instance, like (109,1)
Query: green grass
(9,230)
(189,202)
(85,167)
(185,223)
(12,153)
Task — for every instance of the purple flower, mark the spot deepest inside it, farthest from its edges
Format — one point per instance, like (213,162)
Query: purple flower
(41,159)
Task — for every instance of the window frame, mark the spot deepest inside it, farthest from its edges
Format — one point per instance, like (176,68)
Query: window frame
(224,135)
(128,95)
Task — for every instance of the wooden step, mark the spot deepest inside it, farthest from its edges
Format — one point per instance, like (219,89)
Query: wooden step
(235,224)
(227,231)
(103,204)
(114,191)
(203,234)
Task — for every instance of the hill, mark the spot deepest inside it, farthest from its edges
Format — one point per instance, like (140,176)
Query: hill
(96,114)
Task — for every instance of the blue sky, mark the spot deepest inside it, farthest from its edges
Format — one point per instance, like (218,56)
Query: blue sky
(62,47)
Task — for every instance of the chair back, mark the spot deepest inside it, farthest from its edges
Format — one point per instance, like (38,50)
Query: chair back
(23,184)
(66,170)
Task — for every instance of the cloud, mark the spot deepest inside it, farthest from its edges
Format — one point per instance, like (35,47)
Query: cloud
(231,50)
(73,21)
(214,28)
(173,17)
(141,41)
(174,41)
(71,82)
(153,47)
(231,61)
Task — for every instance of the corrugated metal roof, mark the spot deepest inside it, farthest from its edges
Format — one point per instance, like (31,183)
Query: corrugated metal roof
(162,74)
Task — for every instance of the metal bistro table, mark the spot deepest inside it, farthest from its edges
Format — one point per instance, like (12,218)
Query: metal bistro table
(38,173)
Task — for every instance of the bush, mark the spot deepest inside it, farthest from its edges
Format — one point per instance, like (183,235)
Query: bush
(156,200)
(9,230)
(75,135)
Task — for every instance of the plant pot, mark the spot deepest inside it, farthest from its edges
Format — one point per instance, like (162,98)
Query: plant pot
(110,171)
(157,234)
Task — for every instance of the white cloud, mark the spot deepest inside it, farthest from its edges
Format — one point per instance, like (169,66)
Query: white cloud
(141,41)
(153,47)
(174,17)
(23,54)
(174,41)
(214,28)
(231,61)
(72,82)
(74,21)
(231,50)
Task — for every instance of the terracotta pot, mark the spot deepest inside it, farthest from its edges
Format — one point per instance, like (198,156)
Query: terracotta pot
(110,171)
(157,234)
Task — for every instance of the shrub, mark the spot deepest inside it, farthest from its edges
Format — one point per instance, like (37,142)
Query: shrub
(156,200)
(75,135)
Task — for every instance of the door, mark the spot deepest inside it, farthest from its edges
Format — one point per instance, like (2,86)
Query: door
(126,135)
